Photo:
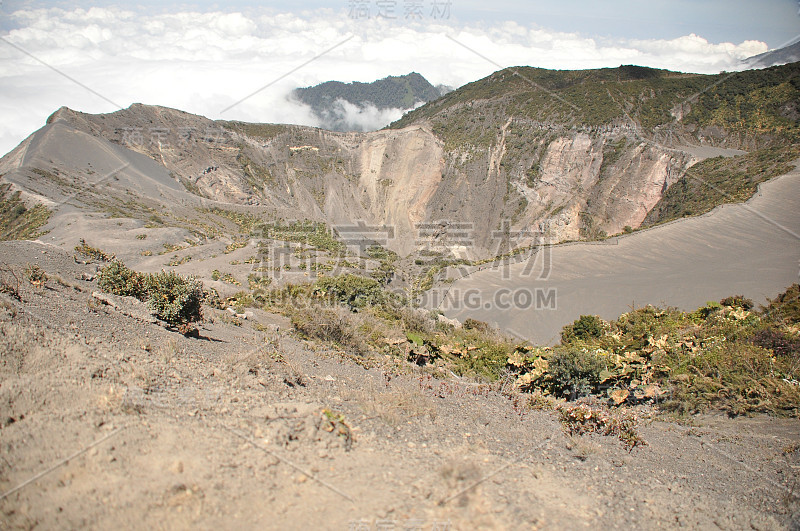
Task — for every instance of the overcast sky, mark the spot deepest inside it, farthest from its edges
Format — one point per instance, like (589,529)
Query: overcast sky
(209,57)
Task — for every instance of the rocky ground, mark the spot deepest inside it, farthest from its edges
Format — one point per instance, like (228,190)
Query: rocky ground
(111,420)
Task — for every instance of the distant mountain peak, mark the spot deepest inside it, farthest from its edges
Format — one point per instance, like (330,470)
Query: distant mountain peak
(358,106)
(780,56)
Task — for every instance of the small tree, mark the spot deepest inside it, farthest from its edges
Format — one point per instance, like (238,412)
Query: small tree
(584,328)
(575,372)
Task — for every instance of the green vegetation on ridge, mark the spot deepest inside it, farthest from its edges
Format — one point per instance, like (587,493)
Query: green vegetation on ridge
(727,356)
(18,222)
(754,101)
(719,180)
(399,92)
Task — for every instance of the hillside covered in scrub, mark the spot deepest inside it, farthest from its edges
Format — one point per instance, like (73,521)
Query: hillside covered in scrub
(727,356)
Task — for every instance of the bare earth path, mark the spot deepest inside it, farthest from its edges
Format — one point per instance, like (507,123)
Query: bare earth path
(229,432)
(751,249)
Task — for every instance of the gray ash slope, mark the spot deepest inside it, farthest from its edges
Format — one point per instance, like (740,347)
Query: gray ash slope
(228,430)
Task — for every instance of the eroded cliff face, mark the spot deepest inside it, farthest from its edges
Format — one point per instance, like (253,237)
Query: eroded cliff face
(400,174)
(523,183)
(550,184)
(588,185)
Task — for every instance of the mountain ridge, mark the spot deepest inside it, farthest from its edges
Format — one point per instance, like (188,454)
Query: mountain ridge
(328,101)
(777,57)
(505,153)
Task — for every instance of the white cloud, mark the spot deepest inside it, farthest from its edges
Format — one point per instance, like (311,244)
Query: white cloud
(352,117)
(204,62)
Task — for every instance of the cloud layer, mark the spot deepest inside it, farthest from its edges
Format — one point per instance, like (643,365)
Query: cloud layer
(206,62)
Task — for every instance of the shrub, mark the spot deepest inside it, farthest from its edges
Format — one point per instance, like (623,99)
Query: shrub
(737,301)
(35,275)
(416,320)
(780,343)
(474,324)
(736,378)
(212,298)
(575,372)
(484,355)
(706,311)
(581,419)
(378,252)
(331,324)
(9,282)
(173,298)
(354,290)
(92,252)
(119,279)
(256,281)
(584,328)
(640,324)
(786,306)
(229,279)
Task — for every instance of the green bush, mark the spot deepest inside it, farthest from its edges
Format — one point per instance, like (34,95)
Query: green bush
(353,290)
(173,298)
(119,279)
(737,301)
(484,354)
(786,306)
(93,252)
(706,311)
(378,252)
(736,378)
(584,328)
(575,372)
(636,326)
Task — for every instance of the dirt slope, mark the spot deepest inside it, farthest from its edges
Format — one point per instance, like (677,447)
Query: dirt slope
(228,431)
